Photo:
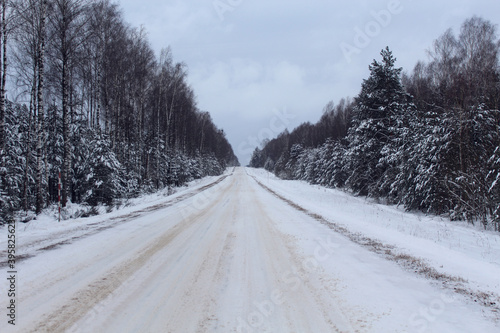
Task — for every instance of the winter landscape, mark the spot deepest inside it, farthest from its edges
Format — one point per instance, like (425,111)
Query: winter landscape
(125,206)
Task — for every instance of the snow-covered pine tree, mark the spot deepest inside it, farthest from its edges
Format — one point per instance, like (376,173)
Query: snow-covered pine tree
(312,173)
(300,166)
(14,161)
(421,181)
(493,180)
(375,134)
(334,164)
(280,167)
(55,150)
(256,159)
(322,164)
(103,175)
(476,138)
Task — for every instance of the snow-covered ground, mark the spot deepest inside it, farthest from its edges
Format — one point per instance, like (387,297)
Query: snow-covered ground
(460,256)
(46,230)
(452,248)
(233,257)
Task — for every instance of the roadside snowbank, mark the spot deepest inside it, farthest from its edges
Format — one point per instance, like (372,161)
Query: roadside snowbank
(451,248)
(46,225)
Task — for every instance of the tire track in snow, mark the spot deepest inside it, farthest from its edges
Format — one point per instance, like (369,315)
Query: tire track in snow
(287,296)
(31,249)
(83,300)
(486,299)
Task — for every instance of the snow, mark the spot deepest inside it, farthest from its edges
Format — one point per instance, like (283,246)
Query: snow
(453,248)
(47,221)
(235,258)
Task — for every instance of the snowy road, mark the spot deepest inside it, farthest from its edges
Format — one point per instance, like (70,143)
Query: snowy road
(232,258)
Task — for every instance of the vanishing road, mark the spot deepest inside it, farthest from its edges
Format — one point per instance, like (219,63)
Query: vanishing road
(231,257)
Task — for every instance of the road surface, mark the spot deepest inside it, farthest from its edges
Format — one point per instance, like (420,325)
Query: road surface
(231,258)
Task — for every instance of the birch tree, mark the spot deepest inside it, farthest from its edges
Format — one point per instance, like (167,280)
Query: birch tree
(67,26)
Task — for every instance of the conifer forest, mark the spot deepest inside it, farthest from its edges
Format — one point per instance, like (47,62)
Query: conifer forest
(428,139)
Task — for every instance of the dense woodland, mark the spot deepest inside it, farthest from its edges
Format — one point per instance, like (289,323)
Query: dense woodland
(428,140)
(82,93)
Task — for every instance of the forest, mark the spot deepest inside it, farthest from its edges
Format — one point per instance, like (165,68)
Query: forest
(428,139)
(83,96)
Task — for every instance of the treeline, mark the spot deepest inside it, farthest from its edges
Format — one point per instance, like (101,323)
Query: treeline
(428,140)
(97,106)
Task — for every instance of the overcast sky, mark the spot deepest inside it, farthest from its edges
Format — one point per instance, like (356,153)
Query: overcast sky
(258,66)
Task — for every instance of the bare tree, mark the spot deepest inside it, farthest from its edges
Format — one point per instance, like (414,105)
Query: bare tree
(102,80)
(67,26)
(444,66)
(30,43)
(41,32)
(478,49)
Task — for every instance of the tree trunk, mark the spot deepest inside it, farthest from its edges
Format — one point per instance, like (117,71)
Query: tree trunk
(31,120)
(158,139)
(40,110)
(66,124)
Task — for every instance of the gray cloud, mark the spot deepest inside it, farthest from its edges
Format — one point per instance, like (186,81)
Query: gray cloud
(264,56)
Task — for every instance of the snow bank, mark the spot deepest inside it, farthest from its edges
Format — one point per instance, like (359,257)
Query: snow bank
(451,248)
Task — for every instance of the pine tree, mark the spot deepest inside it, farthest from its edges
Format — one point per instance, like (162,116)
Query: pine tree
(102,110)
(104,181)
(493,179)
(377,121)
(475,140)
(256,160)
(421,182)
(14,161)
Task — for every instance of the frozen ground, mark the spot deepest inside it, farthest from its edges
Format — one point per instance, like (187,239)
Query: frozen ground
(237,256)
(451,248)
